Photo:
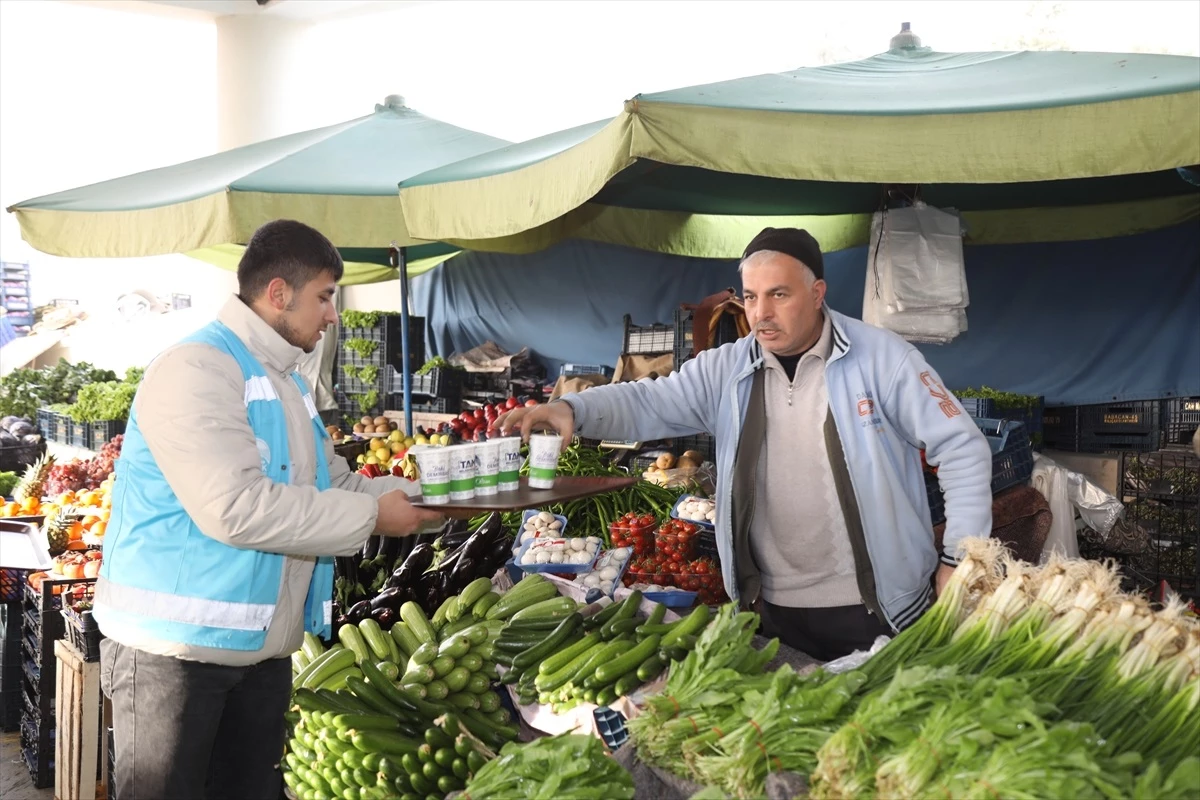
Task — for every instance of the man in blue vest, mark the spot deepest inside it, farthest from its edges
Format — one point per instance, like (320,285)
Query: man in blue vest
(228,507)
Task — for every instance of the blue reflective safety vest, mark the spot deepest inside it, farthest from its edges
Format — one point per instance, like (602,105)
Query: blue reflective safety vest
(163,575)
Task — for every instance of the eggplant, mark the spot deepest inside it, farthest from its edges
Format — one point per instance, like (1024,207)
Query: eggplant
(385,617)
(371,548)
(359,611)
(389,548)
(391,598)
(340,620)
(453,539)
(465,571)
(419,560)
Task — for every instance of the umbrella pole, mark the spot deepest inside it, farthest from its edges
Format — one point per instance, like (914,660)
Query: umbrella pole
(402,266)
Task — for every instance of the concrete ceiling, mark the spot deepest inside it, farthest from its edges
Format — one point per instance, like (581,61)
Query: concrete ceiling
(296,10)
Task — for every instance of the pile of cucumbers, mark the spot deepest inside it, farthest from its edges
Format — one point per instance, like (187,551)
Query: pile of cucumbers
(407,713)
(556,657)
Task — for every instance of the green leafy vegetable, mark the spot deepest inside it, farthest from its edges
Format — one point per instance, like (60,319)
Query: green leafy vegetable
(99,402)
(568,765)
(7,481)
(361,319)
(365,348)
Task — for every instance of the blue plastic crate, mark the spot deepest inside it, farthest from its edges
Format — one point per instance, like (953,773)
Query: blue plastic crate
(573,370)
(979,407)
(611,725)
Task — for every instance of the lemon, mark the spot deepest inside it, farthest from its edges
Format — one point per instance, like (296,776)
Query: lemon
(372,460)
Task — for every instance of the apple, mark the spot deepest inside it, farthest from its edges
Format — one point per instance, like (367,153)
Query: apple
(531,403)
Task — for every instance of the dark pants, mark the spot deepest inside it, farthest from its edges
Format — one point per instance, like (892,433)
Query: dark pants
(184,730)
(823,633)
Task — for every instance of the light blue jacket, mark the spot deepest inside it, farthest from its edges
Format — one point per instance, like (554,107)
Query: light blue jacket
(887,404)
(161,574)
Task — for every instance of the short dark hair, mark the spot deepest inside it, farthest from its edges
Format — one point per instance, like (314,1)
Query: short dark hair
(287,249)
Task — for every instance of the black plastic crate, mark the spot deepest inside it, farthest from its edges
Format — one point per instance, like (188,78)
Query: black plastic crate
(683,344)
(1060,428)
(937,501)
(83,633)
(706,545)
(1012,452)
(979,407)
(40,763)
(16,457)
(701,442)
(350,409)
(79,434)
(387,337)
(1182,417)
(648,339)
(351,382)
(101,433)
(444,383)
(495,382)
(10,709)
(440,405)
(1116,427)
(1169,476)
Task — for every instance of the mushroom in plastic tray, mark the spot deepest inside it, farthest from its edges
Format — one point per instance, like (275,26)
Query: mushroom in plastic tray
(607,572)
(700,510)
(538,524)
(543,554)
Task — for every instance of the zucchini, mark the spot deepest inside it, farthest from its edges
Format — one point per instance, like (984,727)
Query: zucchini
(389,670)
(412,615)
(621,627)
(454,647)
(472,661)
(555,607)
(325,667)
(651,668)
(437,690)
(376,639)
(442,666)
(454,611)
(338,679)
(484,604)
(352,638)
(439,617)
(626,684)
(374,722)
(477,683)
(312,646)
(308,700)
(629,607)
(692,624)
(424,654)
(602,616)
(371,696)
(515,600)
(404,638)
(456,680)
(454,627)
(473,592)
(387,689)
(299,662)
(464,701)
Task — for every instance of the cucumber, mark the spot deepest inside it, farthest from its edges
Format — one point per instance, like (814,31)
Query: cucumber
(623,626)
(404,639)
(384,742)
(464,700)
(610,671)
(626,684)
(557,638)
(299,661)
(514,601)
(606,696)
(375,638)
(444,756)
(412,615)
(385,687)
(456,680)
(692,624)
(325,667)
(352,638)
(455,647)
(454,627)
(308,700)
(475,761)
(563,657)
(657,614)
(484,604)
(371,696)
(527,626)
(448,783)
(442,666)
(374,722)
(338,679)
(629,607)
(554,607)
(437,690)
(651,668)
(602,616)
(418,690)
(348,701)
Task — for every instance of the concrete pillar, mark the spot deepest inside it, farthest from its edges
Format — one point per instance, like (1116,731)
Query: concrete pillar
(263,66)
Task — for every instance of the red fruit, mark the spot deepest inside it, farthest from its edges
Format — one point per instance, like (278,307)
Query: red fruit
(467,416)
(511,402)
(531,403)
(478,413)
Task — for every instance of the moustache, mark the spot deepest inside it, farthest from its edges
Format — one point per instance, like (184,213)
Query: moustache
(765,326)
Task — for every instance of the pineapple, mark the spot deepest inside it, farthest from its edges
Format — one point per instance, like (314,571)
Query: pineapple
(58,532)
(33,481)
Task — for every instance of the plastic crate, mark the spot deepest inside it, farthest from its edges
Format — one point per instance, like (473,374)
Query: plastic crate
(16,457)
(706,545)
(573,370)
(83,633)
(440,382)
(937,502)
(47,422)
(10,709)
(1168,476)
(1115,427)
(684,344)
(1012,452)
(610,724)
(701,442)
(1181,418)
(387,336)
(440,405)
(486,381)
(79,435)
(12,584)
(647,339)
(979,407)
(351,411)
(1060,428)
(101,433)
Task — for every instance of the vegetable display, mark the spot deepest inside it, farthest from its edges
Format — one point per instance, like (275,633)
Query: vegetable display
(1019,682)
(565,766)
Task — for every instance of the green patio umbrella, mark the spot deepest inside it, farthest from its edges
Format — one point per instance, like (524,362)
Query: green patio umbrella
(340,179)
(1030,146)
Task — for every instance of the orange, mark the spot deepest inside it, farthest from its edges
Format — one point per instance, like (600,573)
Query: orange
(30,507)
(10,509)
(76,531)
(105,514)
(99,528)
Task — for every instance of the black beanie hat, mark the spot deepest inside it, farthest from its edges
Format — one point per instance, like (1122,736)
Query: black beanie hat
(795,242)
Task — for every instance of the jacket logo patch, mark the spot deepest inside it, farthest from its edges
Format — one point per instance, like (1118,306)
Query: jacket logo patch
(866,407)
(945,402)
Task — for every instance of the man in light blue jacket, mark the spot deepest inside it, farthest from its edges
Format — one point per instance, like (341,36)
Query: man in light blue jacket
(819,419)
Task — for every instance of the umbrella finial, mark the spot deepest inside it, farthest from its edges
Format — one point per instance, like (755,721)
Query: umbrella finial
(394,101)
(905,39)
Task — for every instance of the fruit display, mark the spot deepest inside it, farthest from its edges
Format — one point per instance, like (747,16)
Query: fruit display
(675,541)
(33,482)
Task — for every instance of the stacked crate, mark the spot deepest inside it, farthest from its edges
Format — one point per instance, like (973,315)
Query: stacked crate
(10,666)
(387,359)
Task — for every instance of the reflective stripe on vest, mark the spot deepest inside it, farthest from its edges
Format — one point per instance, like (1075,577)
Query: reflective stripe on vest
(258,387)
(188,610)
